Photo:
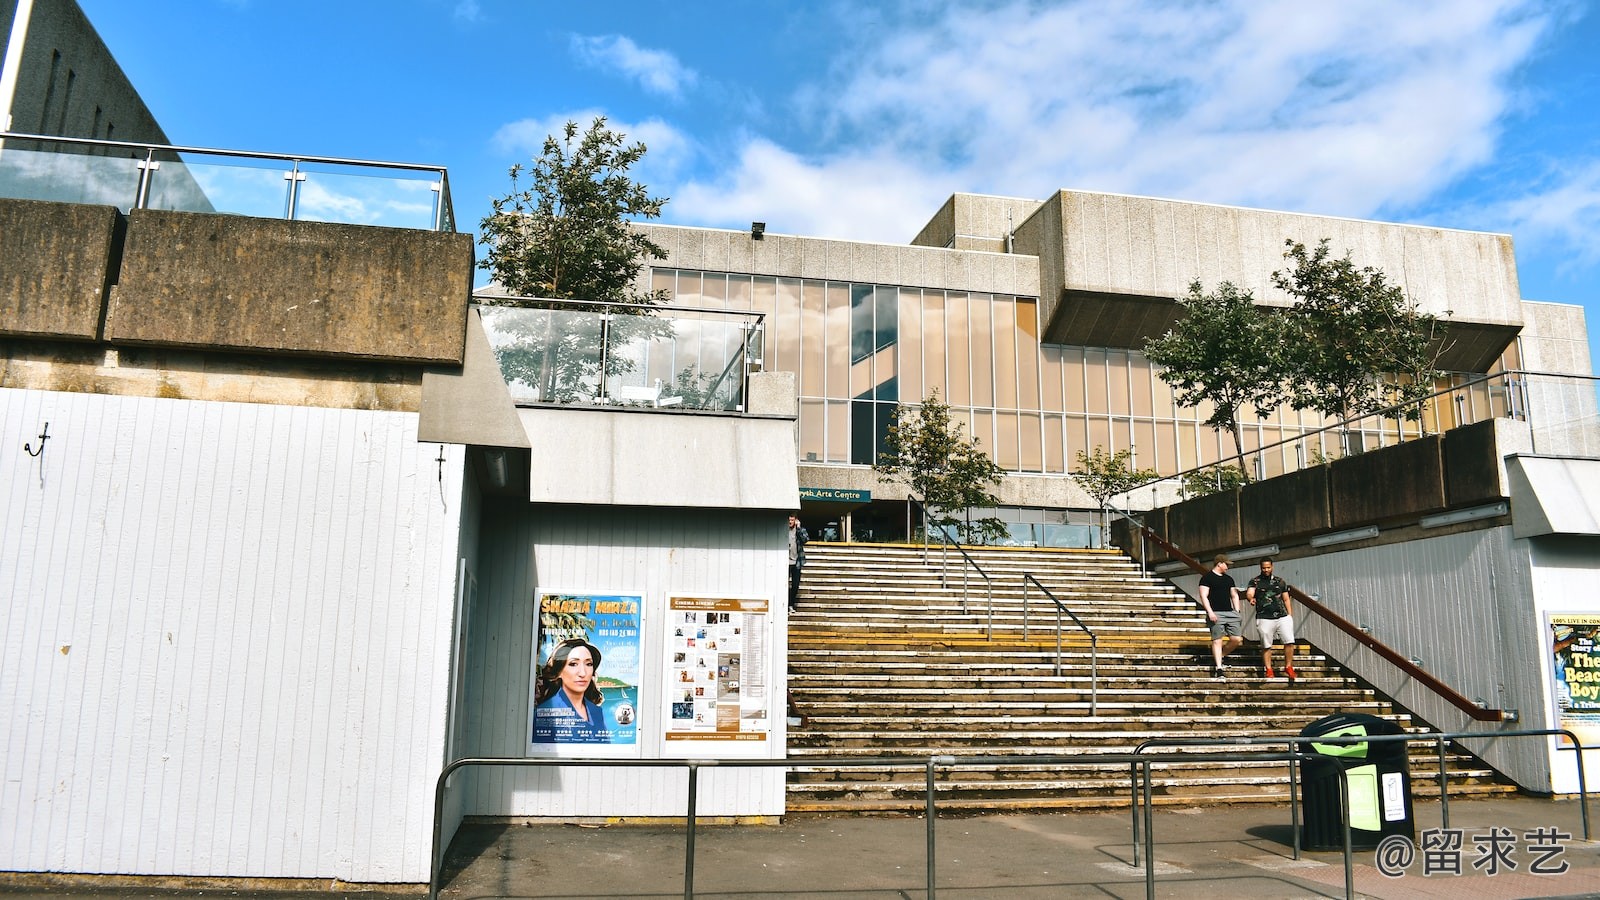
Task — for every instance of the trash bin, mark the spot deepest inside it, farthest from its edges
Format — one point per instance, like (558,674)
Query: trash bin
(1379,775)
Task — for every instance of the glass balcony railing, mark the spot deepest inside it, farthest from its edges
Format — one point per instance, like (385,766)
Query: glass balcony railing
(667,358)
(149,176)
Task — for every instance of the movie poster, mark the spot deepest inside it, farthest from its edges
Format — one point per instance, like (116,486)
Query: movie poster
(585,680)
(718,700)
(1575,641)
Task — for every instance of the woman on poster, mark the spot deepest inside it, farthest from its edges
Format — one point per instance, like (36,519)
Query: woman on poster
(567,700)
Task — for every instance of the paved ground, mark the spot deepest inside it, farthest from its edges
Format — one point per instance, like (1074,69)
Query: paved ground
(1234,852)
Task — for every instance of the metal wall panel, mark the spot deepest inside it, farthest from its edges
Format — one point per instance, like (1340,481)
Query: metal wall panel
(656,552)
(226,637)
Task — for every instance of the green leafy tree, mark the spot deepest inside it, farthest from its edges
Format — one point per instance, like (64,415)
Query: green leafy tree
(1360,345)
(1225,351)
(564,234)
(1103,475)
(927,452)
(1213,479)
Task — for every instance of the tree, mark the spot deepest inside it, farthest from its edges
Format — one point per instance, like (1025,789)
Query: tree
(1225,351)
(566,236)
(949,472)
(1104,475)
(1211,480)
(1360,346)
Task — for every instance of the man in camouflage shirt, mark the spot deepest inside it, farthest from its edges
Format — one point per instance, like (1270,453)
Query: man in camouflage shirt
(1269,594)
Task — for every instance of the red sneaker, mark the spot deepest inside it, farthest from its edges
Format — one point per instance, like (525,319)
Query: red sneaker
(1289,671)
(1269,671)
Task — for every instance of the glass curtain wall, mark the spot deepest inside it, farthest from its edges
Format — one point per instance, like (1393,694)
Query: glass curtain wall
(859,350)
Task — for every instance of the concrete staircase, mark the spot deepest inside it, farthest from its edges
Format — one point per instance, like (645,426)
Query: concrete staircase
(883,661)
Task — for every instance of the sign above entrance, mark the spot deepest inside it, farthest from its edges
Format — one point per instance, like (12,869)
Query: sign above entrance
(834,495)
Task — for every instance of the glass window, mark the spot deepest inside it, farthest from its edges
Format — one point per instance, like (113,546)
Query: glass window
(910,367)
(1077,439)
(1140,384)
(787,336)
(1005,353)
(812,346)
(1117,382)
(812,425)
(861,444)
(933,348)
(1188,443)
(1032,448)
(1055,454)
(764,299)
(714,292)
(983,430)
(738,292)
(838,431)
(1051,372)
(664,280)
(1146,454)
(1094,373)
(887,330)
(1027,354)
(959,365)
(838,330)
(690,287)
(1005,438)
(861,330)
(982,349)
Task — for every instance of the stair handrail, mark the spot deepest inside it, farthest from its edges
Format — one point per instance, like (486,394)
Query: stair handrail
(944,581)
(1094,642)
(1418,674)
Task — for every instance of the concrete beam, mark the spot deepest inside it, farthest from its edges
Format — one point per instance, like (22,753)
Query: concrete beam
(267,285)
(56,261)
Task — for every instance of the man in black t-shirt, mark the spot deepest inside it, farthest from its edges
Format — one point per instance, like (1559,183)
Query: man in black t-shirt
(1220,597)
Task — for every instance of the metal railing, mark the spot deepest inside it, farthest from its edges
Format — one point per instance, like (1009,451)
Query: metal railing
(1420,675)
(132,175)
(969,564)
(1094,642)
(1139,764)
(1295,754)
(667,358)
(1562,412)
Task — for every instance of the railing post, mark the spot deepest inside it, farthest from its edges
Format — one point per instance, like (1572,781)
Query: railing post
(1294,794)
(142,194)
(1025,587)
(1344,824)
(1149,839)
(1444,785)
(930,815)
(1094,671)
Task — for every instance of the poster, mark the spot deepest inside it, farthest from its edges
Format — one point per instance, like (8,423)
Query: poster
(584,686)
(717,698)
(1575,641)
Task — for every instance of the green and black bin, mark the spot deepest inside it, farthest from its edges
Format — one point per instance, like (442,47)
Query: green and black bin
(1379,775)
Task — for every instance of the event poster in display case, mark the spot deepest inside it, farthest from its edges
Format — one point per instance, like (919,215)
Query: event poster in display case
(718,699)
(1575,646)
(584,685)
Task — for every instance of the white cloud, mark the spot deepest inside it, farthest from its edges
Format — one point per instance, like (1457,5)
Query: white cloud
(1335,108)
(668,150)
(1558,219)
(467,11)
(657,71)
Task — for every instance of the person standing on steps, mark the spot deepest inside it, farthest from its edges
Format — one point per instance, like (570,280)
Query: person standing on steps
(1269,594)
(797,559)
(1220,597)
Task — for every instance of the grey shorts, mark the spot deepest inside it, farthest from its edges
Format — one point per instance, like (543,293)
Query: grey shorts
(1226,625)
(1276,631)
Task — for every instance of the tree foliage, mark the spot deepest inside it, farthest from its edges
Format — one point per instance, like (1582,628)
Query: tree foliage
(1213,479)
(1103,475)
(564,234)
(948,471)
(1225,351)
(1360,345)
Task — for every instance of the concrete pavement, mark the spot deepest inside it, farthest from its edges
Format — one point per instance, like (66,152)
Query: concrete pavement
(1238,852)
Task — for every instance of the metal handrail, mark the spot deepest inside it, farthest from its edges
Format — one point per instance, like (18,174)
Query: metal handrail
(944,532)
(444,215)
(1094,642)
(1412,670)
(1139,762)
(1440,739)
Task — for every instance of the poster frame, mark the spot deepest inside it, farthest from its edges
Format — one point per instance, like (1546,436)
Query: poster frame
(609,646)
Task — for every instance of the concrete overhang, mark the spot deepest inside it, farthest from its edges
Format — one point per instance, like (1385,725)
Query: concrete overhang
(1554,495)
(470,404)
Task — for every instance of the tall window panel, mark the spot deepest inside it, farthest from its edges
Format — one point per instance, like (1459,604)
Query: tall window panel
(813,339)
(787,358)
(1005,353)
(1027,333)
(911,343)
(838,337)
(981,348)
(934,344)
(959,364)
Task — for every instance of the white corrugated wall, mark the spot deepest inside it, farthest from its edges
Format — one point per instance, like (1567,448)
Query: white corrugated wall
(657,552)
(226,637)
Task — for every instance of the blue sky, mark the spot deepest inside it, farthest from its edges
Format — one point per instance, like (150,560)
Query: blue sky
(857,120)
